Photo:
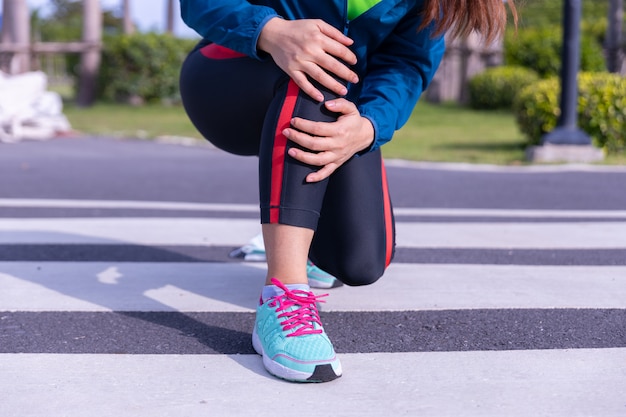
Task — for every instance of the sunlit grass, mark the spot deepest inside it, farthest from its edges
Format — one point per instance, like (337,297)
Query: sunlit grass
(451,133)
(437,133)
(129,121)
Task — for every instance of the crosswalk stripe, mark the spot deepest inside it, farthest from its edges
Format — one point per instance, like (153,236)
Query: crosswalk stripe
(125,204)
(519,330)
(505,383)
(251,208)
(211,231)
(224,287)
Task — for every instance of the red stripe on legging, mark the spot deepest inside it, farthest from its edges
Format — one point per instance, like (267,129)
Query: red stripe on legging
(387,214)
(280,146)
(215,51)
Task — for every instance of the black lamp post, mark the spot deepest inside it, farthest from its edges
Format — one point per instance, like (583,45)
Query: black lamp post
(567,131)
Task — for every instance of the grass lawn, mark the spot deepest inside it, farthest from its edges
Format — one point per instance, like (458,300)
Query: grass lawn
(127,121)
(450,133)
(439,133)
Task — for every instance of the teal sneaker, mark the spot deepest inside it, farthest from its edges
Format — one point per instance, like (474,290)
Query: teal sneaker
(319,278)
(288,333)
(254,251)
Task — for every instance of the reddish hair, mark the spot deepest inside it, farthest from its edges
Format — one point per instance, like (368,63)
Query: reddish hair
(461,17)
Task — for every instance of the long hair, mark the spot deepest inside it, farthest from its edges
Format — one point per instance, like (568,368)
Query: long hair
(461,17)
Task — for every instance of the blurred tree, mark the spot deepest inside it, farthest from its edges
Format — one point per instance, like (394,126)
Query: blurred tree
(65,22)
(538,13)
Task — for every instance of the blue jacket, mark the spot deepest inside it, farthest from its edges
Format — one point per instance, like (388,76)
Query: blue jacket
(395,62)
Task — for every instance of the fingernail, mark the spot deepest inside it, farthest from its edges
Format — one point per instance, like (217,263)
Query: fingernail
(292,152)
(286,132)
(330,104)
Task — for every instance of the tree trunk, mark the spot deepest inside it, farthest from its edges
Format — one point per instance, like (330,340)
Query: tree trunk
(16,32)
(90,59)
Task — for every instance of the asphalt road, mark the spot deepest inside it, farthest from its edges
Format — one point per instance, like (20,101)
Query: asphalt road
(100,168)
(524,261)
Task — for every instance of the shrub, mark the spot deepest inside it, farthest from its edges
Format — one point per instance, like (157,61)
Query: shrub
(143,67)
(537,109)
(540,50)
(601,109)
(495,88)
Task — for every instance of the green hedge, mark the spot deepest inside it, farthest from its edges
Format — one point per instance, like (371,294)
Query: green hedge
(495,88)
(540,50)
(142,67)
(601,109)
(534,13)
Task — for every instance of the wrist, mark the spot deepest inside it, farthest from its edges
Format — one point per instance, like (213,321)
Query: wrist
(368,134)
(264,42)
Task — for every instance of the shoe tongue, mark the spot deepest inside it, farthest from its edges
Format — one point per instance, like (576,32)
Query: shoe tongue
(270,291)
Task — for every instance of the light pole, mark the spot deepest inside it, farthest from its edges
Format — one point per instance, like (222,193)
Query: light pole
(614,36)
(567,131)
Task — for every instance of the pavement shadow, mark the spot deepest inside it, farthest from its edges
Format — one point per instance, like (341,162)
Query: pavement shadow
(212,302)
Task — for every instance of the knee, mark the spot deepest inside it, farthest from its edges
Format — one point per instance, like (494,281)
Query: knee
(354,265)
(362,273)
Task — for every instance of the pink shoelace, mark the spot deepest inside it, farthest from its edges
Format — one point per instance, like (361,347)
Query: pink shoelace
(304,317)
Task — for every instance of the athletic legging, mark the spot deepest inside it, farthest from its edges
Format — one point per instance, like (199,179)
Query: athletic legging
(242,105)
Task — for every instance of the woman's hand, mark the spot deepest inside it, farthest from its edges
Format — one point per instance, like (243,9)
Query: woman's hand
(331,143)
(309,47)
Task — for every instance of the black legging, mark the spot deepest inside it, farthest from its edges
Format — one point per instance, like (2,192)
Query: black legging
(242,105)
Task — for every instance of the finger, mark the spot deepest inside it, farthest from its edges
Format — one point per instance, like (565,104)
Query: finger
(328,81)
(340,70)
(334,33)
(310,158)
(337,60)
(341,51)
(302,81)
(322,174)
(314,144)
(341,105)
(318,130)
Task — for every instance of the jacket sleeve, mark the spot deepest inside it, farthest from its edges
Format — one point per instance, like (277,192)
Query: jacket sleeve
(398,72)
(234,24)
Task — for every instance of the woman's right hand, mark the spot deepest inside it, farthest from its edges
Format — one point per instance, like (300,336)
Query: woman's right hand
(309,47)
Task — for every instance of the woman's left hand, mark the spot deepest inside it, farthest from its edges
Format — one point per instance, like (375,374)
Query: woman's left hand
(331,143)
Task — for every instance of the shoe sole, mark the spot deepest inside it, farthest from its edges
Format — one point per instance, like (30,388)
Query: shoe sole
(322,373)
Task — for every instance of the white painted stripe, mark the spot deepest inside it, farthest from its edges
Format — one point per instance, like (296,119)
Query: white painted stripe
(461,287)
(556,383)
(138,286)
(146,231)
(124,204)
(216,287)
(193,231)
(251,208)
(582,235)
(532,214)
